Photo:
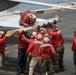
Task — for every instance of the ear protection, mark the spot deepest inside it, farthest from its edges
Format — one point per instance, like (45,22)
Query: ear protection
(32,37)
(74,32)
(42,31)
(33,34)
(57,28)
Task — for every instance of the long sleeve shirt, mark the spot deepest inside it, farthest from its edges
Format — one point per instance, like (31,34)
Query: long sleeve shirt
(73,47)
(57,39)
(46,51)
(26,39)
(2,42)
(33,47)
(26,19)
(22,44)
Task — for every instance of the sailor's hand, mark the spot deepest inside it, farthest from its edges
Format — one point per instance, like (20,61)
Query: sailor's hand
(33,28)
(28,54)
(55,22)
(25,25)
(54,54)
(49,24)
(44,25)
(19,31)
(22,32)
(8,34)
(38,27)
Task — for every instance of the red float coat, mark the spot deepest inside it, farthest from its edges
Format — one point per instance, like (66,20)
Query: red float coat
(57,39)
(46,51)
(34,46)
(22,44)
(26,39)
(24,13)
(25,18)
(73,47)
(2,41)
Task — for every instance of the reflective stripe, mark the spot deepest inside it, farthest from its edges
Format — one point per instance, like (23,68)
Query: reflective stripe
(46,45)
(38,42)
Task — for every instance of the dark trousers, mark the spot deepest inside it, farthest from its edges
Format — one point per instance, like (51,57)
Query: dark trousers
(74,58)
(22,58)
(47,66)
(58,63)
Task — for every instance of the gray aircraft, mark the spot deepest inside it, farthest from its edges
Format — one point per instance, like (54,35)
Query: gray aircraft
(5,4)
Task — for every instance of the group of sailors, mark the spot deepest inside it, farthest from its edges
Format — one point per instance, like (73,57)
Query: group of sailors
(46,46)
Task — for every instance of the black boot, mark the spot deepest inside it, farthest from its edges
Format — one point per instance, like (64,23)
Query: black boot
(18,73)
(24,72)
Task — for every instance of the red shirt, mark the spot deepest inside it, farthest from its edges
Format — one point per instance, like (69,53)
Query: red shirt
(26,39)
(24,13)
(46,50)
(2,41)
(57,39)
(26,19)
(34,47)
(22,44)
(73,47)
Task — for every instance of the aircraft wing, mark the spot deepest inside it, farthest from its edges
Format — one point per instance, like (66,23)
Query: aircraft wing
(42,4)
(12,20)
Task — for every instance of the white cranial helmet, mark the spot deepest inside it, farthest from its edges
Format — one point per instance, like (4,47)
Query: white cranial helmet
(1,32)
(46,39)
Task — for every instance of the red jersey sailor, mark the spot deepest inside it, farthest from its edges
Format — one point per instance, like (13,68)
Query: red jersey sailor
(57,42)
(33,48)
(73,47)
(46,51)
(28,18)
(2,42)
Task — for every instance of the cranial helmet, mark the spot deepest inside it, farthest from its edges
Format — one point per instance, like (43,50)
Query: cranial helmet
(42,30)
(32,16)
(56,27)
(39,36)
(46,39)
(34,34)
(1,32)
(74,31)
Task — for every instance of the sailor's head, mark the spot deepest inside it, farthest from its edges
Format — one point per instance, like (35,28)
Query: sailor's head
(74,32)
(32,17)
(42,30)
(46,39)
(34,34)
(39,37)
(1,34)
(55,27)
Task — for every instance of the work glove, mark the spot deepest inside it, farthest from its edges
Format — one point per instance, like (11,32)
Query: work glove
(49,24)
(22,32)
(8,34)
(54,54)
(55,22)
(38,27)
(45,26)
(25,25)
(28,54)
(19,31)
